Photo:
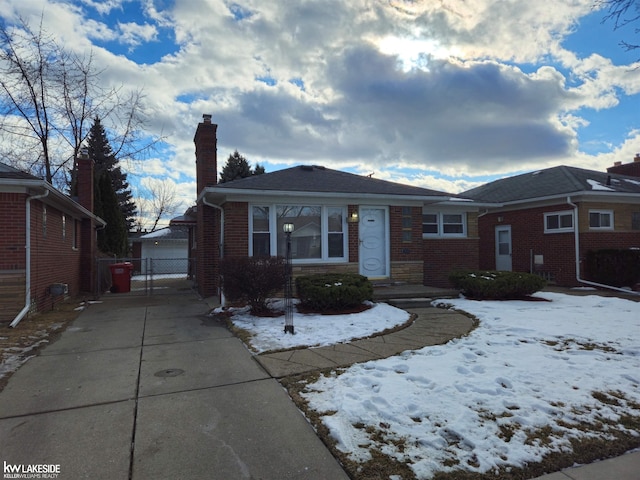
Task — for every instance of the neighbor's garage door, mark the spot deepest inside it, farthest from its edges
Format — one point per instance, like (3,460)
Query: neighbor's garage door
(164,258)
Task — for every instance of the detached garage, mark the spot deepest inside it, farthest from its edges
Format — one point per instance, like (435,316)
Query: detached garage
(164,251)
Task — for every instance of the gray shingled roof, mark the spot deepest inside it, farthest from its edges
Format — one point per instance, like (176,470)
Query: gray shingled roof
(9,172)
(307,178)
(553,181)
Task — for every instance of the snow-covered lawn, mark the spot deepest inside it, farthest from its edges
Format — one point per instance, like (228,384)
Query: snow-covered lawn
(474,402)
(316,330)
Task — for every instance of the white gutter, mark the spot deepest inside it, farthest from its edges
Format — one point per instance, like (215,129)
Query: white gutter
(221,246)
(27,297)
(577,249)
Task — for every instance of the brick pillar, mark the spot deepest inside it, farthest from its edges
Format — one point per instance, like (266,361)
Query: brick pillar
(88,236)
(208,218)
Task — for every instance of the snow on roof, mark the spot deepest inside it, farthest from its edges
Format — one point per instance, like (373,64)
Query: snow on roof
(167,233)
(595,185)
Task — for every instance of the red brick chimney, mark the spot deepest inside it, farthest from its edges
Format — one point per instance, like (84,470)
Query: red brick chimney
(631,169)
(208,218)
(206,154)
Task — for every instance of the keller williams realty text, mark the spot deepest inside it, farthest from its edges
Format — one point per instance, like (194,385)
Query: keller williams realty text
(30,471)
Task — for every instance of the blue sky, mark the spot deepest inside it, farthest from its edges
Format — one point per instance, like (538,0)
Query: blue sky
(444,95)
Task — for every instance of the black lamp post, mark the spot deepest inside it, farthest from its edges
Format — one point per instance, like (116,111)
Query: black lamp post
(288,287)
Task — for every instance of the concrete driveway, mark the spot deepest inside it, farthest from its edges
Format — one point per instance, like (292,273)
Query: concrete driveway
(150,387)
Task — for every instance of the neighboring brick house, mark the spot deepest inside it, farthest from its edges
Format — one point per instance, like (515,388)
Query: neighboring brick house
(538,218)
(48,244)
(630,169)
(342,222)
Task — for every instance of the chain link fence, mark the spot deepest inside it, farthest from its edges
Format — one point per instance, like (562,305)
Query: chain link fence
(148,276)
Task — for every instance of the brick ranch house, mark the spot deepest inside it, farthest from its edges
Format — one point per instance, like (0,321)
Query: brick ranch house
(546,221)
(48,246)
(342,222)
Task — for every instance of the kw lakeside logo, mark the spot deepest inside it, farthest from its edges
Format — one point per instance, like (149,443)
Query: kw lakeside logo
(30,471)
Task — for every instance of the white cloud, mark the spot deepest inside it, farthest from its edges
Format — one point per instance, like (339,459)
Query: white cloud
(366,83)
(135,34)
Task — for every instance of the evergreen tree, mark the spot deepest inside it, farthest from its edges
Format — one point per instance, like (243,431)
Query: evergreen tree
(105,161)
(113,239)
(238,167)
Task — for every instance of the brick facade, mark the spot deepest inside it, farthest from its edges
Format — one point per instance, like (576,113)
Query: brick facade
(53,256)
(409,254)
(12,219)
(557,250)
(62,243)
(443,256)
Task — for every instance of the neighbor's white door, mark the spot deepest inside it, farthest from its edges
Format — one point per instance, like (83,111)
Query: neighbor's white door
(503,248)
(373,242)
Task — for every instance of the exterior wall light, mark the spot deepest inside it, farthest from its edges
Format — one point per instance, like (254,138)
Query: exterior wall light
(353,217)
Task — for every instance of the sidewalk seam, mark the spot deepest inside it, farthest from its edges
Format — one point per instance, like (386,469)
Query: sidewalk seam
(136,397)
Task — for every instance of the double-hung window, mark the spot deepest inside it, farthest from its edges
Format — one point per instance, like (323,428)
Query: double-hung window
(601,219)
(443,224)
(557,222)
(318,232)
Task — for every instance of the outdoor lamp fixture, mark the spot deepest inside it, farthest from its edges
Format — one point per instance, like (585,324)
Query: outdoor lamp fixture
(288,287)
(353,218)
(288,228)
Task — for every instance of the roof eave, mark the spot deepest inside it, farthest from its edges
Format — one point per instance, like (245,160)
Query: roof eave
(564,196)
(56,197)
(218,196)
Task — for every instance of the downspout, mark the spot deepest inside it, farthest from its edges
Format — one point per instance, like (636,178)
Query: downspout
(577,249)
(27,296)
(221,246)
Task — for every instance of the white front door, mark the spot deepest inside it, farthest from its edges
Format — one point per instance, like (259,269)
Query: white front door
(374,257)
(503,248)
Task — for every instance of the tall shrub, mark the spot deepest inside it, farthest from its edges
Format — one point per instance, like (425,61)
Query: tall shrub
(615,267)
(252,279)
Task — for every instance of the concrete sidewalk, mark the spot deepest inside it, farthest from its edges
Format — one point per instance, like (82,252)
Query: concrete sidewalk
(431,326)
(152,388)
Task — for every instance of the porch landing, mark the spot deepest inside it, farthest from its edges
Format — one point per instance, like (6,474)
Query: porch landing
(389,292)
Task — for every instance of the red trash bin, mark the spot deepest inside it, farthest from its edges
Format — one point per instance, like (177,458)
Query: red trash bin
(121,277)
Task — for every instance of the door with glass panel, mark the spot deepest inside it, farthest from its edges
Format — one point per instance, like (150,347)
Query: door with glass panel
(503,248)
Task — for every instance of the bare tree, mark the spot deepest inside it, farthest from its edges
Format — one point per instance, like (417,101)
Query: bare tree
(159,200)
(48,99)
(622,13)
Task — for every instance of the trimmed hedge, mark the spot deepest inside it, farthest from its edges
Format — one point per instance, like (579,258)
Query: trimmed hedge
(615,267)
(492,285)
(333,291)
(252,279)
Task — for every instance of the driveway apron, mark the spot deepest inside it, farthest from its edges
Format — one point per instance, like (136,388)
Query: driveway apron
(150,387)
